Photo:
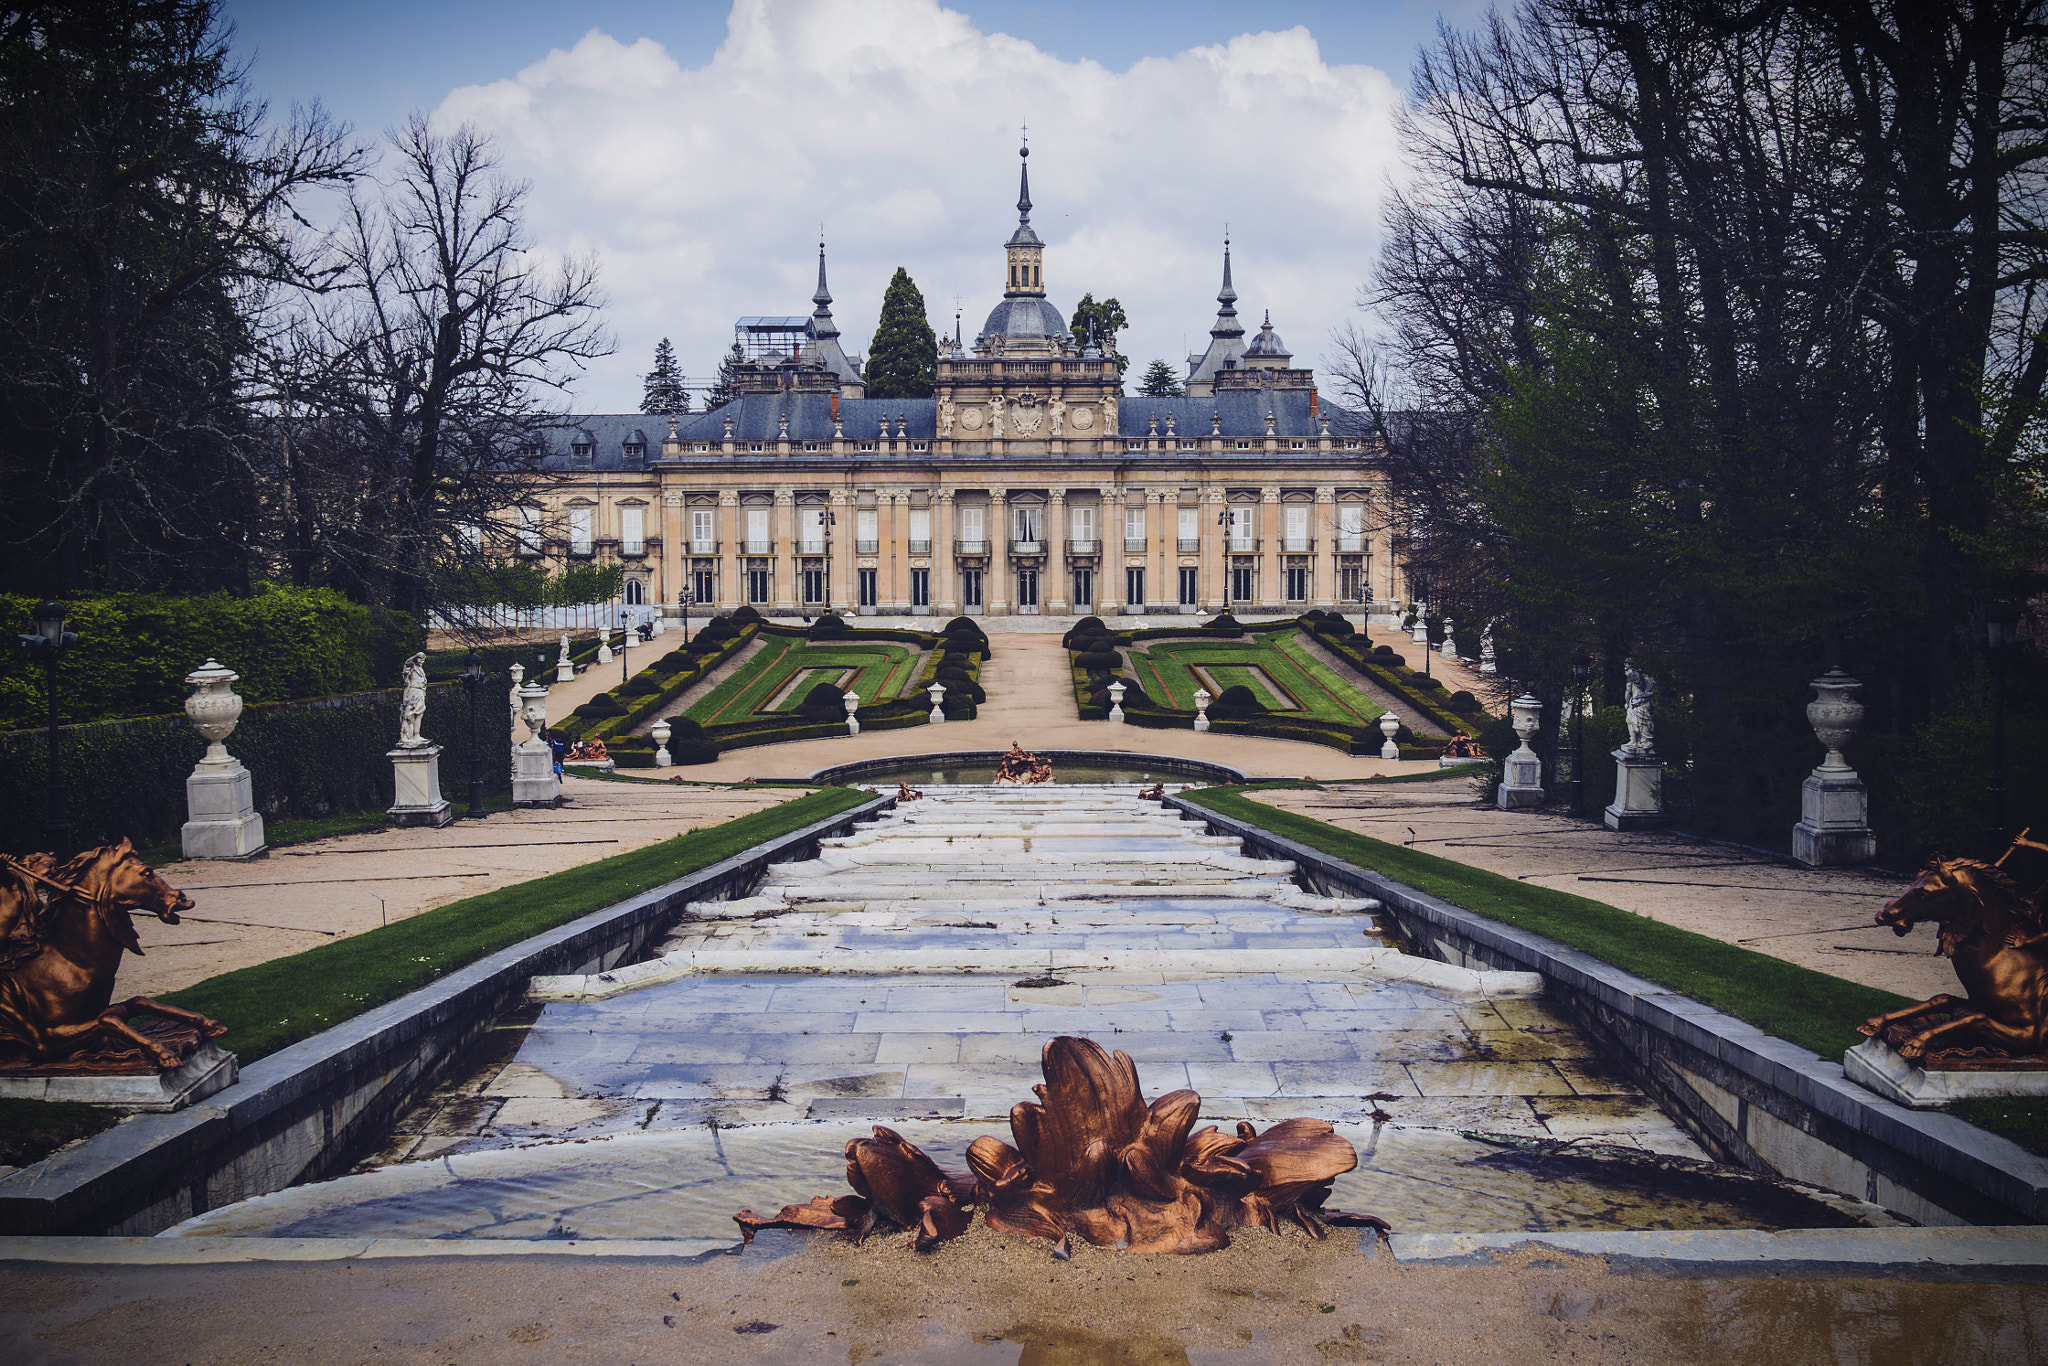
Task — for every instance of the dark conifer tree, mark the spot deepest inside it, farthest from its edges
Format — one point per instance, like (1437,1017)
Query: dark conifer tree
(903,359)
(664,394)
(1160,381)
(726,387)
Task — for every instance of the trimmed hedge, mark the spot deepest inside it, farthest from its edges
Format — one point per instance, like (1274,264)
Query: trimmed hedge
(314,757)
(607,718)
(1390,672)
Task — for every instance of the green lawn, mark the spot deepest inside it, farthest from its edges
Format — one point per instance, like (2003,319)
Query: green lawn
(883,670)
(275,1004)
(1167,672)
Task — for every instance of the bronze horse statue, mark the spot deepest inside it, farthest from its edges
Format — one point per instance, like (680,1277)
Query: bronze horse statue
(63,929)
(1994,936)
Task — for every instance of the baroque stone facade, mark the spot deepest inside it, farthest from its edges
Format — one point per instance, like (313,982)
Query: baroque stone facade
(1028,483)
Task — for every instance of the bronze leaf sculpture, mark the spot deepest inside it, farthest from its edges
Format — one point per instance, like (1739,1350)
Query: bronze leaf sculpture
(1995,938)
(63,929)
(1092,1158)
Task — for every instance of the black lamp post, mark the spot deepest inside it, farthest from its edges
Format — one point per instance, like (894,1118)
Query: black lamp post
(50,640)
(1582,670)
(625,665)
(1998,640)
(684,597)
(474,678)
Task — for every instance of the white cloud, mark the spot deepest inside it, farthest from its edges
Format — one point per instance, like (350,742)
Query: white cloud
(893,122)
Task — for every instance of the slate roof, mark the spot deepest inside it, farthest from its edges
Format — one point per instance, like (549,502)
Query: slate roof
(1025,318)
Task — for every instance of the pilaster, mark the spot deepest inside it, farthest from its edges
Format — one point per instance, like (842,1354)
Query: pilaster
(995,596)
(945,565)
(672,546)
(1054,594)
(782,539)
(1323,587)
(1269,561)
(730,581)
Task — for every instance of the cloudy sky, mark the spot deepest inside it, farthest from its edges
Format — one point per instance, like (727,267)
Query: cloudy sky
(696,148)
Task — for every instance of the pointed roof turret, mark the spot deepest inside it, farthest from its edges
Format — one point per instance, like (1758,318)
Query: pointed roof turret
(1267,345)
(1226,337)
(1024,236)
(821,317)
(1227,324)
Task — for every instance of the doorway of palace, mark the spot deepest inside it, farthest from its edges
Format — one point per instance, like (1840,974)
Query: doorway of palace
(970,592)
(1084,592)
(1027,592)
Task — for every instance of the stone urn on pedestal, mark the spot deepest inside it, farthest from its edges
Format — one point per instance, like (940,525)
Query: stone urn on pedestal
(1421,635)
(604,647)
(533,763)
(1522,776)
(1202,709)
(1449,649)
(1116,702)
(660,732)
(852,703)
(219,800)
(937,693)
(1390,726)
(1834,805)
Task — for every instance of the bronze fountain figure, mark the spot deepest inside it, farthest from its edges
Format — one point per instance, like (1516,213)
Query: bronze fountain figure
(1091,1158)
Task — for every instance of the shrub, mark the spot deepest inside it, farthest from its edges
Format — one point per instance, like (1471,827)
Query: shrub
(600,706)
(1237,703)
(1464,703)
(740,616)
(1224,621)
(639,685)
(1386,652)
(1099,659)
(693,752)
(823,703)
(672,662)
(683,728)
(1336,626)
(829,627)
(1433,684)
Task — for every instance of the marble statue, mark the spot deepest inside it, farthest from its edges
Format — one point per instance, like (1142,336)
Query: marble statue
(1059,416)
(412,703)
(945,417)
(1642,692)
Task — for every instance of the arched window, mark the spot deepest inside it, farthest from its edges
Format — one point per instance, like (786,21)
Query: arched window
(636,593)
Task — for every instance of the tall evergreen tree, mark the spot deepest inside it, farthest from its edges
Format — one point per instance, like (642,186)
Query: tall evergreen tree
(1108,318)
(726,387)
(664,394)
(1160,381)
(903,358)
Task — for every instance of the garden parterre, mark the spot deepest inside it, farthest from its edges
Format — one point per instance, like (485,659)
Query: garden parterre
(1274,664)
(761,686)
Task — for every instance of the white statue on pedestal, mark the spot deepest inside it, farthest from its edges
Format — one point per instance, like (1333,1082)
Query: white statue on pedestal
(1642,692)
(412,703)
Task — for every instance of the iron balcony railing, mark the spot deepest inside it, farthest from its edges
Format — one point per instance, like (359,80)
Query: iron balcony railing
(920,547)
(810,547)
(1189,544)
(1351,543)
(1299,545)
(1134,545)
(867,547)
(633,549)
(1078,547)
(1243,545)
(1027,547)
(758,547)
(703,547)
(970,547)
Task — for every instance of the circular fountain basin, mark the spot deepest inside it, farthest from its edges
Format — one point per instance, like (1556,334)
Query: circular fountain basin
(1073,767)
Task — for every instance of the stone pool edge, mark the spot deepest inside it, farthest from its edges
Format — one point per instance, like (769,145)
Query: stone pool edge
(1750,1099)
(301,1113)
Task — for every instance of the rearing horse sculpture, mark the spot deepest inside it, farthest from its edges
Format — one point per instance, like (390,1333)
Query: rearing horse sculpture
(63,929)
(1995,938)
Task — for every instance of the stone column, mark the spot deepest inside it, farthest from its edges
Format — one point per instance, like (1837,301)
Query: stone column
(1834,805)
(1269,562)
(673,545)
(731,584)
(839,594)
(219,801)
(892,524)
(1159,516)
(945,565)
(995,595)
(1215,555)
(1109,580)
(1053,595)
(782,534)
(1323,587)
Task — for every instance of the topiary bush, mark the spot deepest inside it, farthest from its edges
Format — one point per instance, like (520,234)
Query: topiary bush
(1464,703)
(823,703)
(639,685)
(1432,684)
(741,616)
(1236,704)
(1335,625)
(673,662)
(683,728)
(829,627)
(601,705)
(1099,659)
(1224,621)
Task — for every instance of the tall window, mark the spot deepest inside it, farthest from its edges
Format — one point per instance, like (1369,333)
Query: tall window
(1350,579)
(633,531)
(920,531)
(1084,523)
(867,588)
(970,588)
(1187,586)
(1134,525)
(703,530)
(704,584)
(1244,581)
(812,522)
(758,582)
(920,588)
(581,520)
(1242,523)
(757,531)
(814,586)
(867,531)
(636,593)
(1297,526)
(1030,523)
(1297,580)
(529,530)
(1190,527)
(1134,587)
(1084,588)
(972,520)
(1350,526)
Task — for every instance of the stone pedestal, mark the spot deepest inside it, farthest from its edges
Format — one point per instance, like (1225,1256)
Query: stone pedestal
(224,823)
(1638,791)
(1873,1065)
(208,1070)
(1834,820)
(416,779)
(565,672)
(1521,782)
(533,776)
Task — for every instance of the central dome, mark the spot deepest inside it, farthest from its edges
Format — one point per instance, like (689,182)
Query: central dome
(1025,319)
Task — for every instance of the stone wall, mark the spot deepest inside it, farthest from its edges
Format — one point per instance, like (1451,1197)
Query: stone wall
(311,1111)
(1748,1098)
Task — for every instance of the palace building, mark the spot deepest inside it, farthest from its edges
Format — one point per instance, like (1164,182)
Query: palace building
(1027,484)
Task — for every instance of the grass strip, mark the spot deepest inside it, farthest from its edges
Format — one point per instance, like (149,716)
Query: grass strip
(1313,686)
(275,1004)
(1808,1008)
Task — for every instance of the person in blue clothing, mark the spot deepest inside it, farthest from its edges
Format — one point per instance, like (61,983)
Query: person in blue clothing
(559,749)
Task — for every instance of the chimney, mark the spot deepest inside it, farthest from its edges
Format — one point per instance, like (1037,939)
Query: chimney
(1312,408)
(835,405)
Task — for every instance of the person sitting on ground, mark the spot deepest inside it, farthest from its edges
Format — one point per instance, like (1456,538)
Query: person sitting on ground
(1156,792)
(906,793)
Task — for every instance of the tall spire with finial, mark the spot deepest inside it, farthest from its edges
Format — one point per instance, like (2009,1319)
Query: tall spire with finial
(1024,252)
(1024,177)
(821,316)
(1227,324)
